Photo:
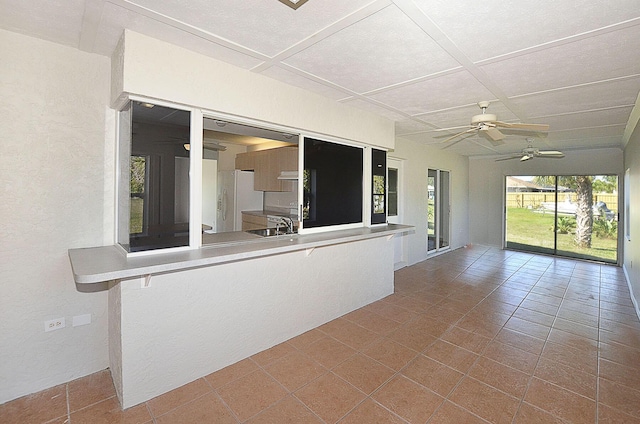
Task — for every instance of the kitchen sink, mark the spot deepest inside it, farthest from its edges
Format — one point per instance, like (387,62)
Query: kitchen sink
(269,232)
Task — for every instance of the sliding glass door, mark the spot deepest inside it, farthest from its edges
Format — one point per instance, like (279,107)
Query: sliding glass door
(530,214)
(574,216)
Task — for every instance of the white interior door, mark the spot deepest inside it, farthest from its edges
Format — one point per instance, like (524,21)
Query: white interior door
(395,208)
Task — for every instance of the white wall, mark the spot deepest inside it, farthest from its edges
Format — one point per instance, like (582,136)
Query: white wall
(56,171)
(419,158)
(632,247)
(486,184)
(227,158)
(198,321)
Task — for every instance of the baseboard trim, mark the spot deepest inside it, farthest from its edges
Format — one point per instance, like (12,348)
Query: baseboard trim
(633,298)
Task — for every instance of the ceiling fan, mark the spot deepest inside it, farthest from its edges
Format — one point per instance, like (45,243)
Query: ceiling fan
(488,124)
(208,145)
(531,152)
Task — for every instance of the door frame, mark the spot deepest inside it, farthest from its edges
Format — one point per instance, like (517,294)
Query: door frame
(400,246)
(438,198)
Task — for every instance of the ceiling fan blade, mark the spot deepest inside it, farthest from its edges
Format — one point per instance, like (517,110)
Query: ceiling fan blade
(213,146)
(458,135)
(450,128)
(525,157)
(495,136)
(508,158)
(551,153)
(523,126)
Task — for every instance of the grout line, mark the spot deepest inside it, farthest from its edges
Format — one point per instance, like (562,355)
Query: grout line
(66,388)
(541,352)
(153,418)
(598,350)
(479,355)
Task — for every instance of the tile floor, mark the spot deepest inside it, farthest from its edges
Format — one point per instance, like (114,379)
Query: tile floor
(473,336)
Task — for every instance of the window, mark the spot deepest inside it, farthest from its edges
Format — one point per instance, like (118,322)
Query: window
(332,184)
(627,203)
(138,215)
(161,206)
(154,190)
(379,186)
(393,192)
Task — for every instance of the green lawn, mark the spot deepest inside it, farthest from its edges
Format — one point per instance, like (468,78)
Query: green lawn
(531,230)
(135,217)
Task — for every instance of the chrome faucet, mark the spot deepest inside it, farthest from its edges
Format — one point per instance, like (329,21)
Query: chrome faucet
(288,222)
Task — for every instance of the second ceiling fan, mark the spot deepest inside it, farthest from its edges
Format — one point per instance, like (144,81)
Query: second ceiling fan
(531,152)
(488,124)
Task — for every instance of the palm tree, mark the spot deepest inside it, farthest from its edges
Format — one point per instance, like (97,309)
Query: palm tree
(583,185)
(584,208)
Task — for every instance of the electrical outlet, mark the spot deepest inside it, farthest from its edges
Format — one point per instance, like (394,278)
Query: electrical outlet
(54,324)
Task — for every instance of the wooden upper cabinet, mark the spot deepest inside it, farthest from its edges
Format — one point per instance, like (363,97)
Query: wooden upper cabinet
(245,161)
(267,165)
(287,159)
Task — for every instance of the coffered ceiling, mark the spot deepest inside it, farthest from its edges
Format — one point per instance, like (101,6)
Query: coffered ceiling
(572,64)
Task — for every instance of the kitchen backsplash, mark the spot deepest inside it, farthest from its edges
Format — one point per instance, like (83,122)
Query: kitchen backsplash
(285,202)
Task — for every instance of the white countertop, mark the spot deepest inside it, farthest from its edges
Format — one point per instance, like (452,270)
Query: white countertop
(106,263)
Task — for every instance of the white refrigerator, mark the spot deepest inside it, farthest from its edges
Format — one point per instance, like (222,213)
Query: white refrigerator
(235,194)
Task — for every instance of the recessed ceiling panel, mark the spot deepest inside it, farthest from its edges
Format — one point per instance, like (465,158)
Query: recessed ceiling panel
(489,29)
(584,133)
(410,126)
(115,19)
(593,59)
(378,110)
(581,98)
(291,78)
(618,116)
(266,26)
(435,94)
(422,138)
(588,143)
(474,146)
(384,49)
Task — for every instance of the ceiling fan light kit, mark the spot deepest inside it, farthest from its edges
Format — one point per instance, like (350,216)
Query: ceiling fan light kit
(483,118)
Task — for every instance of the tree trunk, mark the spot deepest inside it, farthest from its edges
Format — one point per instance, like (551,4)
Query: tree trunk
(584,211)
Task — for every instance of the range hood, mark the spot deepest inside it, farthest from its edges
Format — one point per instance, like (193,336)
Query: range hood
(288,175)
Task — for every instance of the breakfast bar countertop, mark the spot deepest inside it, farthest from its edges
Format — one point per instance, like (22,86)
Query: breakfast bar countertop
(107,263)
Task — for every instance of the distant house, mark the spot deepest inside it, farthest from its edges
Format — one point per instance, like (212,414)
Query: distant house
(517,185)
